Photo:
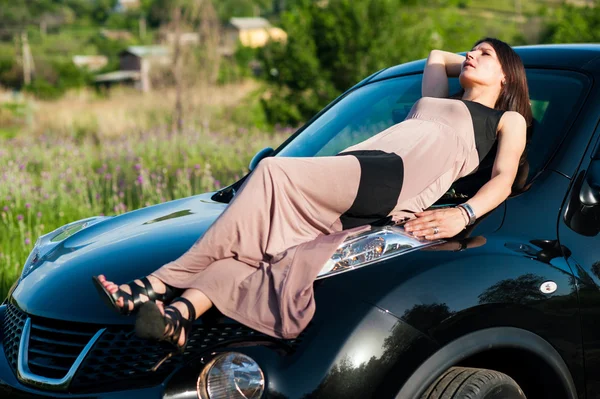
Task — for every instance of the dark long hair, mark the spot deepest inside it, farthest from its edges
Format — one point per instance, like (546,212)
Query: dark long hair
(515,92)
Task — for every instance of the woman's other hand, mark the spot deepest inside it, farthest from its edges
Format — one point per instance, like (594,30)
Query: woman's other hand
(436,224)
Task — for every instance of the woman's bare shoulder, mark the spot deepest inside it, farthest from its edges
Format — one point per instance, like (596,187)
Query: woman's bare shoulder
(512,120)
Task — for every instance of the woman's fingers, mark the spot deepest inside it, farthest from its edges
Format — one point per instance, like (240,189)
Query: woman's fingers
(423,221)
(447,221)
(435,235)
(422,226)
(424,213)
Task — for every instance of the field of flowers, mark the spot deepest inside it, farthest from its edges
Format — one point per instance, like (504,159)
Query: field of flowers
(49,180)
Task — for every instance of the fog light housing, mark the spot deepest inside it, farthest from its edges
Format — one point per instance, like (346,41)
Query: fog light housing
(231,375)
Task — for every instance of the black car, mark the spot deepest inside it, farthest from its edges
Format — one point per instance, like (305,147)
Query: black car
(510,308)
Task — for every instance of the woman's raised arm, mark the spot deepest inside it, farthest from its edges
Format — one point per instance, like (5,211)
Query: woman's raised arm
(440,65)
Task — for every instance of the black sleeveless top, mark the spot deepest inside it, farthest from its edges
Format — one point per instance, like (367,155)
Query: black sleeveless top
(485,125)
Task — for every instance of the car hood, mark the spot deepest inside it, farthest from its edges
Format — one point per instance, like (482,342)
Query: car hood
(130,246)
(122,247)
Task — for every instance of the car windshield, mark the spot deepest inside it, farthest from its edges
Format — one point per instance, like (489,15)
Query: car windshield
(555,98)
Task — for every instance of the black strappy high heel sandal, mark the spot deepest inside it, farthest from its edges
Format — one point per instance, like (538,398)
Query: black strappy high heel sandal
(135,296)
(151,324)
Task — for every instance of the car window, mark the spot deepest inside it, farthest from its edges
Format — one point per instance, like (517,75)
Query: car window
(358,116)
(555,99)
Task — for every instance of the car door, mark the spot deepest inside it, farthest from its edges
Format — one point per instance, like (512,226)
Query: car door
(578,230)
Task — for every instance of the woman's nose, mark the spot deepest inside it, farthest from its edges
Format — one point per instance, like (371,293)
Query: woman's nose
(469,55)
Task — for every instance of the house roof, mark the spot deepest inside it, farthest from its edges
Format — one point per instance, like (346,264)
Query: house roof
(118,76)
(93,62)
(145,51)
(249,23)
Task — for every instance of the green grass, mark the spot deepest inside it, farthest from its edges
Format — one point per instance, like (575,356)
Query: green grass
(46,182)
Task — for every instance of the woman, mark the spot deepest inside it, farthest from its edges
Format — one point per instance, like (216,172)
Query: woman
(257,265)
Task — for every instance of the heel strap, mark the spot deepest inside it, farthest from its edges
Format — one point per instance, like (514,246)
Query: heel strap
(189,305)
(176,321)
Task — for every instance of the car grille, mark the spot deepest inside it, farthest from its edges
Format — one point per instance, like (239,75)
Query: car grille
(118,359)
(53,345)
(120,356)
(12,328)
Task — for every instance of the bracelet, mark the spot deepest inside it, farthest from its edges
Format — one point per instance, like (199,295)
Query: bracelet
(464,214)
(470,212)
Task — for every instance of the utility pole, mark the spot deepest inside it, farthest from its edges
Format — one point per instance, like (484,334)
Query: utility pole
(28,66)
(177,72)
(142,25)
(43,28)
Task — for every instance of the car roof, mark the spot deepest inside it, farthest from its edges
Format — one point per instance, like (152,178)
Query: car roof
(583,57)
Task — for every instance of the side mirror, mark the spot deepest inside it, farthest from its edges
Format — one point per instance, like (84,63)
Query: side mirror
(590,188)
(265,152)
(582,213)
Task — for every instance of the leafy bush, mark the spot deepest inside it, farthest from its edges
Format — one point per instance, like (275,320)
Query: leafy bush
(53,79)
(11,74)
(43,89)
(571,24)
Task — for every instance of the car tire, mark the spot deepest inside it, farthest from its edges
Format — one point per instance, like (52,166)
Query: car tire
(472,383)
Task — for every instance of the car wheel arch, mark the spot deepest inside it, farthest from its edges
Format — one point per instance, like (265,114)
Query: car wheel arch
(459,350)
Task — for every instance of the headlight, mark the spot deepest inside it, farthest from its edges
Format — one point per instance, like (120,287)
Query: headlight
(231,375)
(372,246)
(46,243)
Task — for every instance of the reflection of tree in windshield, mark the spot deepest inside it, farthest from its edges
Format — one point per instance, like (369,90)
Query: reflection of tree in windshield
(521,290)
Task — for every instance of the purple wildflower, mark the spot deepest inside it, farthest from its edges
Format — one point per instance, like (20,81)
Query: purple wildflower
(27,241)
(19,217)
(28,205)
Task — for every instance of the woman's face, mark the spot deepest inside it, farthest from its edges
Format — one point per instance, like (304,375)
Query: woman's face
(481,67)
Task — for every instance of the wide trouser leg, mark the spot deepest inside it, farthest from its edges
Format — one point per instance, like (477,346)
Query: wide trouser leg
(284,202)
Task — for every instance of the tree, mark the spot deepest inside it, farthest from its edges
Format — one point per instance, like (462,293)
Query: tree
(572,24)
(242,8)
(333,46)
(193,66)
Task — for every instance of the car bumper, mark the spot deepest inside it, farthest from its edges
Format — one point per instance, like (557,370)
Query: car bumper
(345,343)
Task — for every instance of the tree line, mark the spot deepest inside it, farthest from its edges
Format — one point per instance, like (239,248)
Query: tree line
(332,44)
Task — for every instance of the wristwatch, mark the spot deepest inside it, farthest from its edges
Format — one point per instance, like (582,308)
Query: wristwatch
(470,212)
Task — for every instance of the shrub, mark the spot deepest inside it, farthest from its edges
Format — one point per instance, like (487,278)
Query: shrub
(44,90)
